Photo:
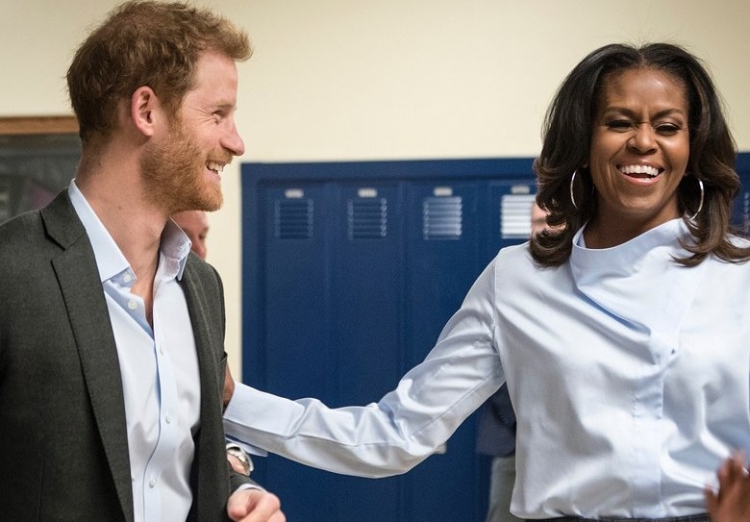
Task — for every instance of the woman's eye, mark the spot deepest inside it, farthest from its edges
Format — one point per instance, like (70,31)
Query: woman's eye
(620,125)
(667,129)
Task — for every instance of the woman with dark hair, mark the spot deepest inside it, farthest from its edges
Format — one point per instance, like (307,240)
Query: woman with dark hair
(566,187)
(623,334)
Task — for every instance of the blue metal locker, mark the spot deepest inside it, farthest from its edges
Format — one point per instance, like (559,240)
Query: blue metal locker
(366,325)
(367,264)
(443,252)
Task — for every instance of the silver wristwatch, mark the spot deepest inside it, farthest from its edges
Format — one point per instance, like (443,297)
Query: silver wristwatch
(242,456)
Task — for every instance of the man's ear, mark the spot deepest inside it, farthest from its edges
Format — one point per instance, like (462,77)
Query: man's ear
(144,106)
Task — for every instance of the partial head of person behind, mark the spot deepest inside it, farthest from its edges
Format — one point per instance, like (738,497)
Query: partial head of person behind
(578,182)
(195,224)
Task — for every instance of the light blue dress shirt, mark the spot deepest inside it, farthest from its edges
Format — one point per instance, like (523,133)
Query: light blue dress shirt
(159,368)
(629,375)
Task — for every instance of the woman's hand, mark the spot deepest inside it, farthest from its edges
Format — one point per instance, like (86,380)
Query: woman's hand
(731,503)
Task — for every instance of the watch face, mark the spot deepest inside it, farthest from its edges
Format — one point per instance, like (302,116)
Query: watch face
(245,463)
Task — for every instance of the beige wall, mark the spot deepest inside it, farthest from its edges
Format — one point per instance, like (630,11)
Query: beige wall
(388,79)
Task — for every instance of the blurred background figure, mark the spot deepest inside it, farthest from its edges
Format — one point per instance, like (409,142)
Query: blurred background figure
(195,224)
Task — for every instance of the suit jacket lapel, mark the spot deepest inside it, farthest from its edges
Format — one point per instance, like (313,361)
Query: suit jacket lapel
(211,489)
(81,288)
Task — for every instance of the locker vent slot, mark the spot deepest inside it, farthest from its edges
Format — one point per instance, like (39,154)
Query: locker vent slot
(293,218)
(442,218)
(367,218)
(515,216)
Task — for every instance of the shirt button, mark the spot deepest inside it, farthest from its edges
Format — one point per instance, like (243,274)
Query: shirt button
(168,419)
(152,482)
(132,305)
(127,278)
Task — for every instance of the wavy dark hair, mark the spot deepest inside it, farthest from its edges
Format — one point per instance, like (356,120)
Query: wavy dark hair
(567,134)
(145,43)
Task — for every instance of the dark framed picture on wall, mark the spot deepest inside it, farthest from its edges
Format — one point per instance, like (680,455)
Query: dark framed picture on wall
(38,158)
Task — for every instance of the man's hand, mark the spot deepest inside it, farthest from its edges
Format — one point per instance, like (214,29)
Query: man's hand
(254,505)
(732,502)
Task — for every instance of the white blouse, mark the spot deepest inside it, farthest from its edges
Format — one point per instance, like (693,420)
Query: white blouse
(629,375)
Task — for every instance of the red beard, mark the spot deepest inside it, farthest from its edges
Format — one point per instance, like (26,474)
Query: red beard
(174,174)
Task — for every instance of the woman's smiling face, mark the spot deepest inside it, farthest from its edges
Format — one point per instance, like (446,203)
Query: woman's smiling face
(640,148)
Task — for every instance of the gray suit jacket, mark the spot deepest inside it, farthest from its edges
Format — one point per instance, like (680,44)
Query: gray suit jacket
(63,439)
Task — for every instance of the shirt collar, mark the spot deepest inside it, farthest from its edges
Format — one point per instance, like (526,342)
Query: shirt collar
(620,280)
(175,246)
(669,234)
(110,260)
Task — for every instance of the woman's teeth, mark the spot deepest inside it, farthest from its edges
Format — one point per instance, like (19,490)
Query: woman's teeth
(642,170)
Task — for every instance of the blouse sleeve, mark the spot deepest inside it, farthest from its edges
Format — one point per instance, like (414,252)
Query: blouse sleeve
(406,426)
